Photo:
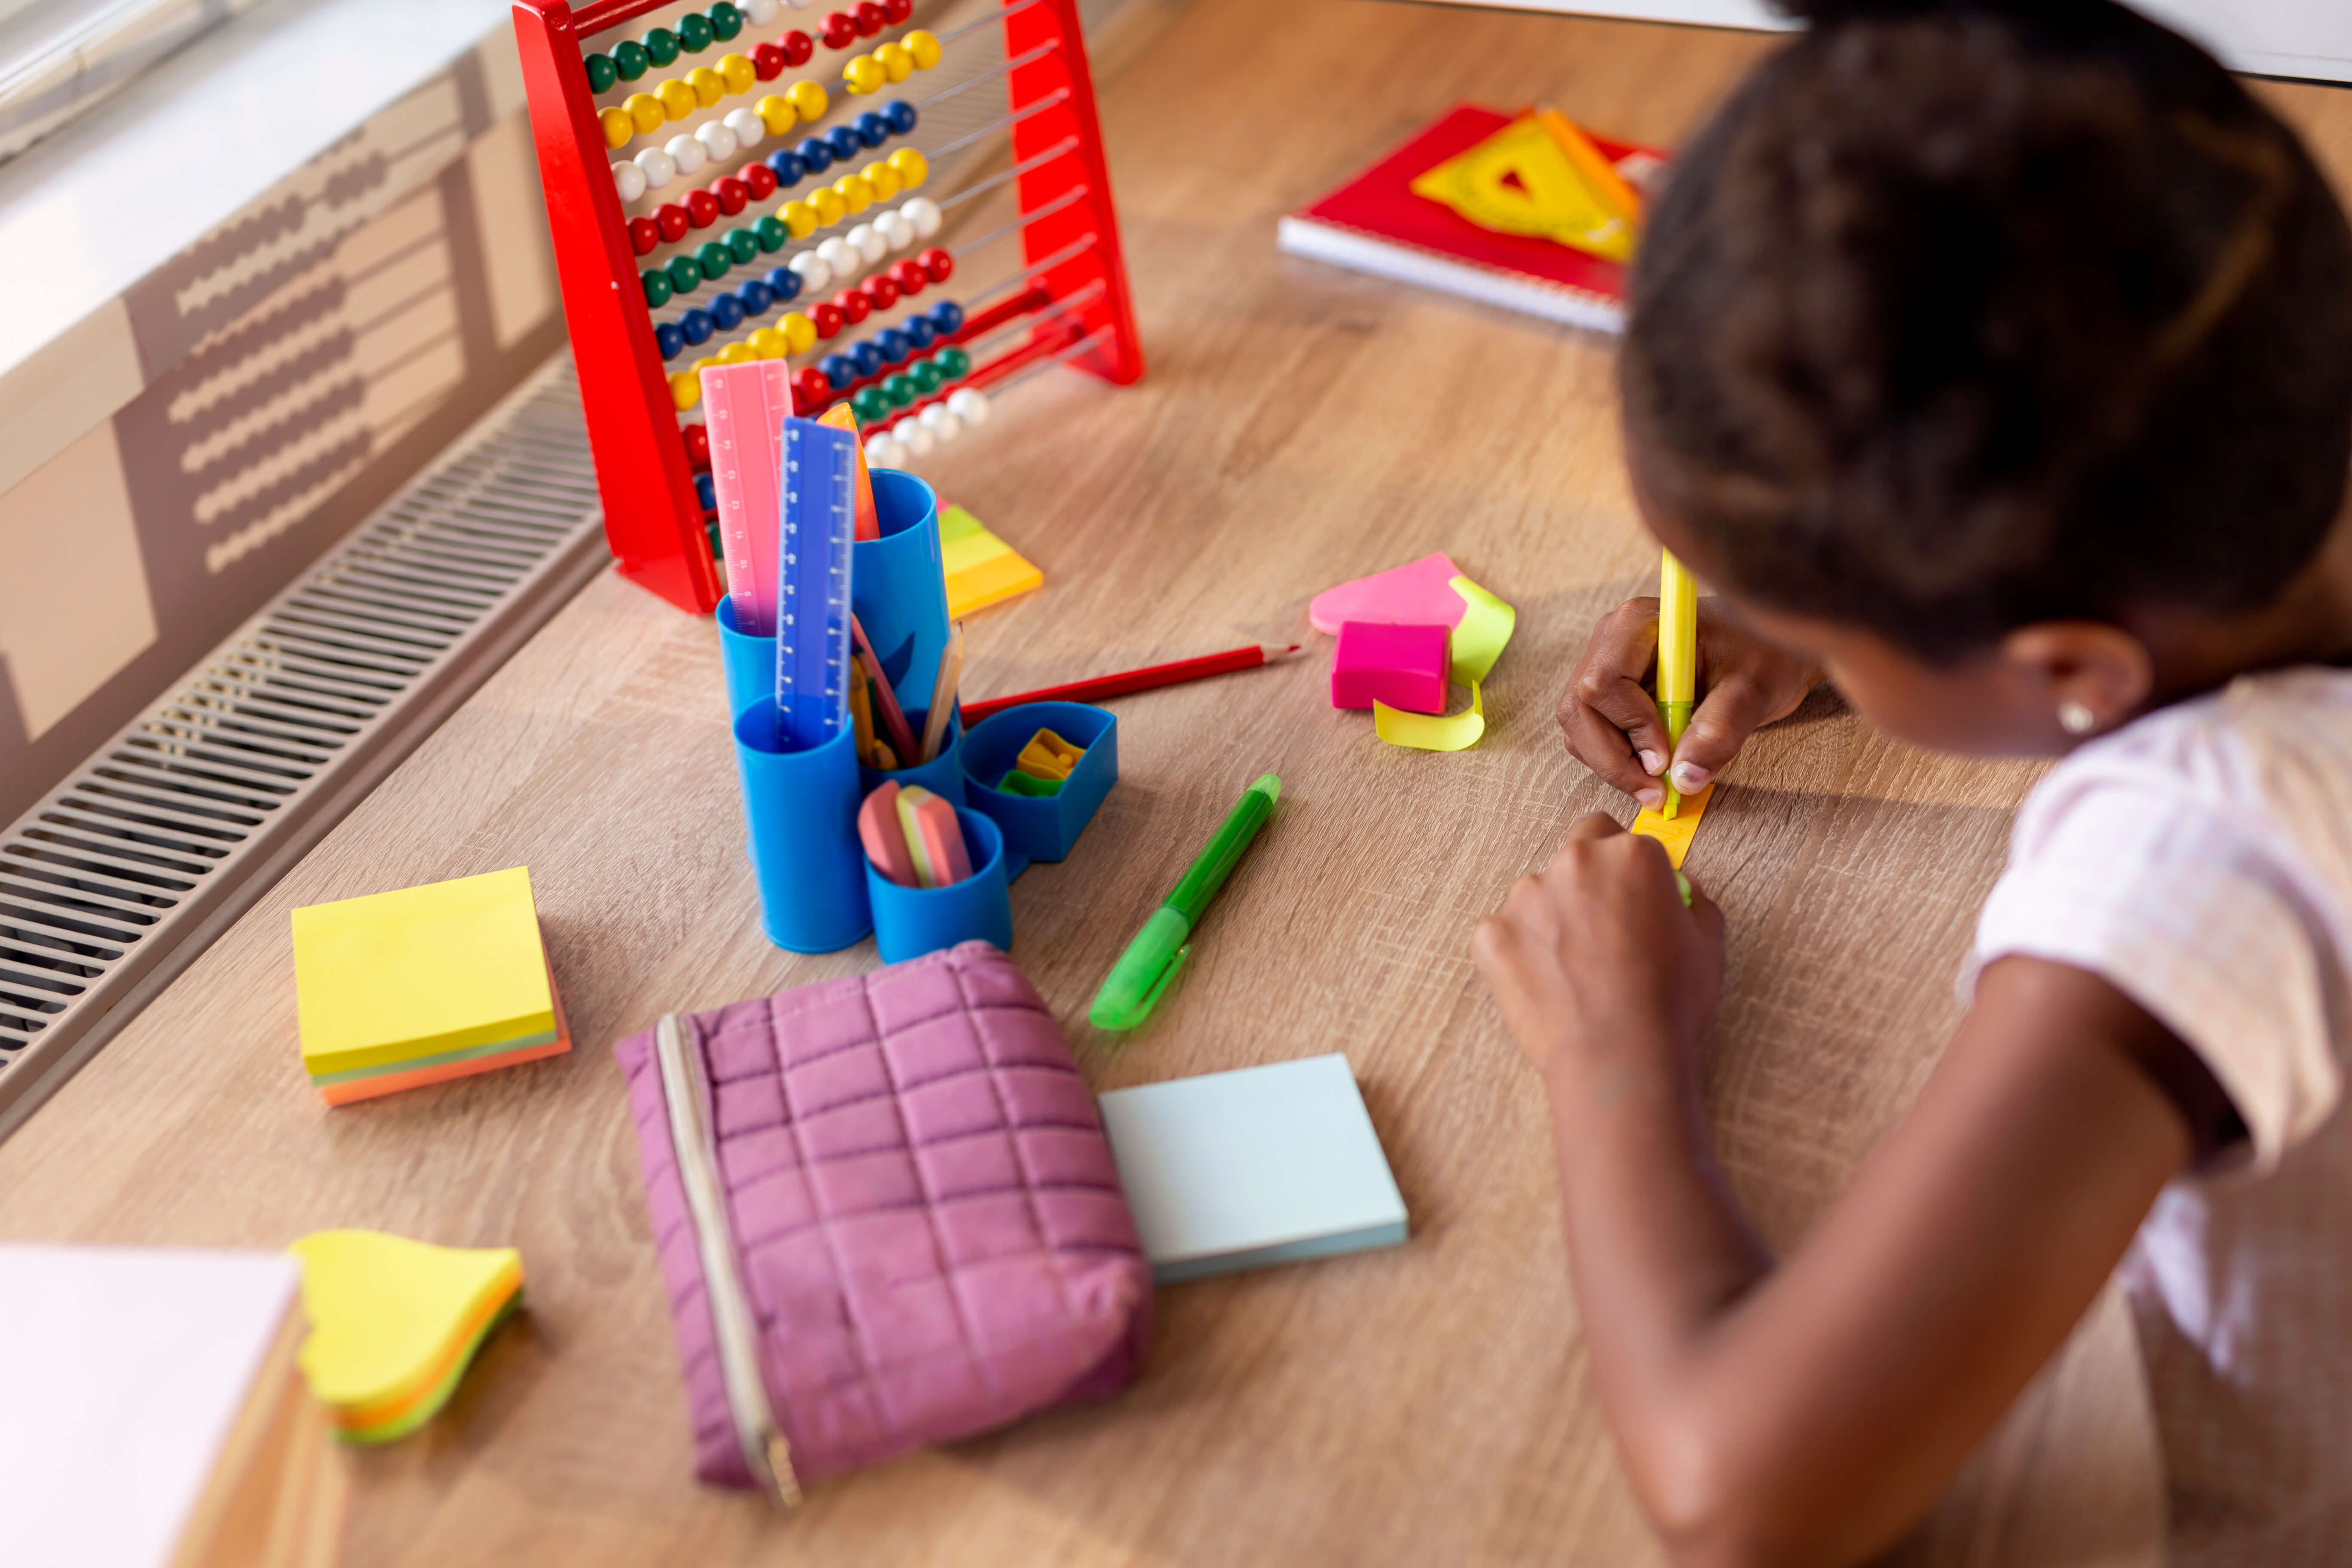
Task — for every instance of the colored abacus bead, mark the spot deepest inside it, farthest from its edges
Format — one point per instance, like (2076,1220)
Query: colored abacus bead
(900,390)
(910,277)
(687,153)
(771,343)
(927,378)
(725,21)
(738,72)
(853,305)
(863,73)
(864,359)
(897,61)
(810,388)
(698,446)
(617,126)
(659,167)
(844,142)
(871,19)
(655,283)
(782,282)
(798,46)
(631,59)
(868,241)
(749,127)
(919,332)
(694,33)
(776,113)
(883,178)
(756,296)
(910,434)
(946,316)
(684,275)
(732,194)
(881,291)
(856,194)
(893,345)
(671,221)
(701,208)
(924,47)
(941,422)
(771,232)
(873,128)
(717,139)
(698,326)
(669,340)
(968,404)
(714,260)
(628,181)
(643,235)
(901,115)
(759,13)
(708,85)
(840,370)
(883,452)
(678,99)
(831,208)
(661,46)
(727,311)
(799,332)
(759,179)
(801,218)
(937,264)
(814,273)
(870,404)
(768,61)
(787,167)
(601,72)
(685,389)
(913,166)
(838,29)
(705,491)
(839,257)
(809,99)
(954,361)
(743,246)
(924,214)
(815,156)
(896,10)
(896,231)
(826,317)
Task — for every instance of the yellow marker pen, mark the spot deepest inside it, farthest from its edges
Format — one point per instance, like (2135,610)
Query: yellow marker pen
(1677,661)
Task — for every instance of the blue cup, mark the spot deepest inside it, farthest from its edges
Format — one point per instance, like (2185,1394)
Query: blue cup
(912,922)
(897,586)
(750,662)
(1041,828)
(942,775)
(802,810)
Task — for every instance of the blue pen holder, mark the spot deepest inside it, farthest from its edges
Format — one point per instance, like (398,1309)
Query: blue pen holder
(899,587)
(1041,828)
(912,922)
(750,662)
(802,810)
(942,775)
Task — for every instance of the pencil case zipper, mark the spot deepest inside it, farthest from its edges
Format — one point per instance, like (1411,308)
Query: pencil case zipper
(734,1331)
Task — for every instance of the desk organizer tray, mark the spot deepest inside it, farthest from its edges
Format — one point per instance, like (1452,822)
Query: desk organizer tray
(1040,827)
(896,1221)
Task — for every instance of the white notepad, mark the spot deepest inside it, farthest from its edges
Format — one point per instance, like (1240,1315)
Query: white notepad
(1239,1170)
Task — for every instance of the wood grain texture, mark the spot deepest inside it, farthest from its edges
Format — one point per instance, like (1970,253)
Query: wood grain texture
(1299,425)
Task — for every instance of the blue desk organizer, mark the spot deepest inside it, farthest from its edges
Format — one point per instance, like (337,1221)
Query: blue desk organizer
(942,775)
(802,810)
(1041,828)
(899,587)
(912,922)
(750,662)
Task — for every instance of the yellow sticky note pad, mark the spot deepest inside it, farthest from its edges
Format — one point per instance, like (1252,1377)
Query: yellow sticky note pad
(421,971)
(1432,732)
(981,569)
(1479,637)
(1675,833)
(393,1323)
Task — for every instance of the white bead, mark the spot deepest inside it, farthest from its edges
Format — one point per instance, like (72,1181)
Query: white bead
(747,125)
(815,273)
(968,404)
(686,153)
(759,13)
(941,422)
(883,452)
(840,256)
(896,231)
(910,434)
(800,4)
(629,180)
(659,167)
(868,244)
(925,215)
(715,139)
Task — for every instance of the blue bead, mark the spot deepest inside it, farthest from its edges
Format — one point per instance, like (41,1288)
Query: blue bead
(669,340)
(869,360)
(784,282)
(946,316)
(919,331)
(696,325)
(840,370)
(816,154)
(727,311)
(844,142)
(756,297)
(893,345)
(900,114)
(872,129)
(706,491)
(787,166)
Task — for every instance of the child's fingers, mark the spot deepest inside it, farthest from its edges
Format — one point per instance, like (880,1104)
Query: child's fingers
(1593,825)
(1708,912)
(1731,710)
(1602,747)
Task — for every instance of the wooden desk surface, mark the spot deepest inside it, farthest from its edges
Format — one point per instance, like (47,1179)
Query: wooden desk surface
(1299,425)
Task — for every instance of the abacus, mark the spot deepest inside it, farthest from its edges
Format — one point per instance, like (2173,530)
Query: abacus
(642,225)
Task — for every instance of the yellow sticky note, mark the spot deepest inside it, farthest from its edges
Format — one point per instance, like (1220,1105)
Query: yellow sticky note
(1432,732)
(981,569)
(392,1322)
(1482,633)
(1675,833)
(421,971)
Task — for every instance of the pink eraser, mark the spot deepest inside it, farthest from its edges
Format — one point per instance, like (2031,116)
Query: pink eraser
(878,829)
(1413,594)
(1402,666)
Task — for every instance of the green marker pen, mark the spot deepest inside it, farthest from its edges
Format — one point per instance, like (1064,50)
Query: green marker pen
(1159,949)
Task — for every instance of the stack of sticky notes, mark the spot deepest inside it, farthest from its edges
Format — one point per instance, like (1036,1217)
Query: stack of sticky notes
(422,985)
(981,569)
(913,837)
(394,1323)
(1241,1170)
(1043,766)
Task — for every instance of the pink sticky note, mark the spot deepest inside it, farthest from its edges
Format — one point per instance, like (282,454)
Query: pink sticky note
(1414,594)
(1404,666)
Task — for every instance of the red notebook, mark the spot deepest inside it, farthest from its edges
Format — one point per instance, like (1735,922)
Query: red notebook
(1376,224)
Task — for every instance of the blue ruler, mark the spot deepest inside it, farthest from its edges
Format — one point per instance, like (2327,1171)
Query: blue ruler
(818,519)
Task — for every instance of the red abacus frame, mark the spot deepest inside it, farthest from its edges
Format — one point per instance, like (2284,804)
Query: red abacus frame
(1075,275)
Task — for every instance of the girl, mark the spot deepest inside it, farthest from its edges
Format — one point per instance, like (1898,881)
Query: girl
(1995,361)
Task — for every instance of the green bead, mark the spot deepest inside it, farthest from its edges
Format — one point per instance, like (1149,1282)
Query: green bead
(601,72)
(725,21)
(742,246)
(631,60)
(713,259)
(694,32)
(684,275)
(900,390)
(925,376)
(773,232)
(869,404)
(953,360)
(662,44)
(657,284)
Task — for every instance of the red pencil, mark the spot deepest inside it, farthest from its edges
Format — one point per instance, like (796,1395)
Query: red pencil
(1101,686)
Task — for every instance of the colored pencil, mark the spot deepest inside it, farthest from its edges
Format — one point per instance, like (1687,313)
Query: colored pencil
(943,695)
(889,718)
(1098,687)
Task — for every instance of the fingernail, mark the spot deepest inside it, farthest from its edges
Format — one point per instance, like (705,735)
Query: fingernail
(1651,799)
(1652,763)
(1690,778)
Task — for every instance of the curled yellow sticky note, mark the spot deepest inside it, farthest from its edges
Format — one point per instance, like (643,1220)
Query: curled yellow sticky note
(1484,631)
(1675,832)
(1432,732)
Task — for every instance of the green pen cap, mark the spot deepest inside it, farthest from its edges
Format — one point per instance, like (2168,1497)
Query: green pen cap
(1142,971)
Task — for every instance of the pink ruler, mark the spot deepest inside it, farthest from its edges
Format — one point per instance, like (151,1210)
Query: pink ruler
(745,408)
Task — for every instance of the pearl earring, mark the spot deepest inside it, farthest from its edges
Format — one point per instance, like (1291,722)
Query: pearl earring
(2076,718)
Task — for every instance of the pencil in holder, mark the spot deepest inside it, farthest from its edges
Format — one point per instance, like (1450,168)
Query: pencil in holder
(750,662)
(897,586)
(942,775)
(1035,828)
(802,811)
(912,922)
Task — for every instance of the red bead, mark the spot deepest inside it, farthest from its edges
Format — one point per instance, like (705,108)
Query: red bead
(881,291)
(909,276)
(826,315)
(897,11)
(768,62)
(871,19)
(810,390)
(853,305)
(697,448)
(671,220)
(701,208)
(798,47)
(732,192)
(937,264)
(839,29)
(759,179)
(643,235)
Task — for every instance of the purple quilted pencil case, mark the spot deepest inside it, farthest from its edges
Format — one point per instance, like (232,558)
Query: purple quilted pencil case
(887,1214)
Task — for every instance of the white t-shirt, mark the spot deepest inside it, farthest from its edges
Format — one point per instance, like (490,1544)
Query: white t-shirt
(2200,860)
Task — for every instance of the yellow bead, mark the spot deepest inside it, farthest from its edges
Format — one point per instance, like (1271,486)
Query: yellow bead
(709,86)
(618,126)
(863,73)
(736,353)
(776,113)
(856,194)
(808,97)
(770,343)
(923,47)
(685,389)
(678,99)
(645,113)
(911,165)
(799,332)
(897,61)
(739,72)
(704,362)
(882,179)
(802,219)
(830,207)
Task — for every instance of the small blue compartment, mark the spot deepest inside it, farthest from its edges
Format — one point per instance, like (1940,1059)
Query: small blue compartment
(802,811)
(750,662)
(941,776)
(1041,828)
(897,586)
(912,922)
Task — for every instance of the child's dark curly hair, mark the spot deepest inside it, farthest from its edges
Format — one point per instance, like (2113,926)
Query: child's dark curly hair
(1960,317)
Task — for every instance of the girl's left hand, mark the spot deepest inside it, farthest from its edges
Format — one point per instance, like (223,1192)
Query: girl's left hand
(1597,956)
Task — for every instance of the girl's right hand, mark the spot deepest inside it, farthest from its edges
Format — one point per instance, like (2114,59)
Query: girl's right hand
(1610,714)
